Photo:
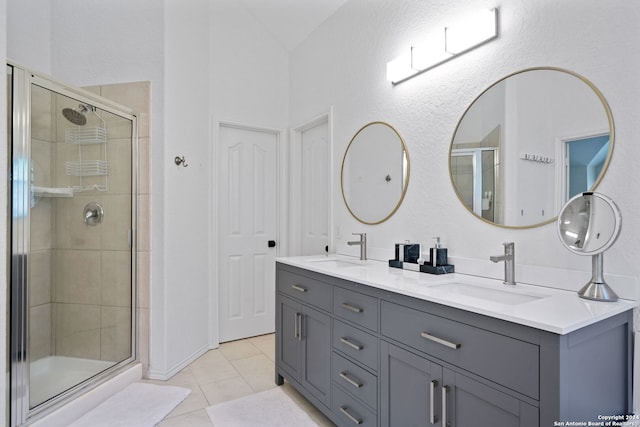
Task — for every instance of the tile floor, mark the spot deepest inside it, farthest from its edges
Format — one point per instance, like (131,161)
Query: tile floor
(233,370)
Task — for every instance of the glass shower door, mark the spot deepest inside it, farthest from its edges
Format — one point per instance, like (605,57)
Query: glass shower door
(474,175)
(72,258)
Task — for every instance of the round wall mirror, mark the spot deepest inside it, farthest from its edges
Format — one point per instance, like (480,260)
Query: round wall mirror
(375,173)
(528,144)
(589,224)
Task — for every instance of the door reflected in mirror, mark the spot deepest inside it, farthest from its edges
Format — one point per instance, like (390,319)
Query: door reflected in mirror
(375,173)
(529,143)
(584,160)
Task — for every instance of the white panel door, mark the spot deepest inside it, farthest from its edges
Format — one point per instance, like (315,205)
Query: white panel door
(315,189)
(247,218)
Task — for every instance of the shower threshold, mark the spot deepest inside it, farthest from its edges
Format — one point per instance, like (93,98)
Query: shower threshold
(53,375)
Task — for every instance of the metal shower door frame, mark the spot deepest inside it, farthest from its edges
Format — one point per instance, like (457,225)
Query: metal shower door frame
(20,146)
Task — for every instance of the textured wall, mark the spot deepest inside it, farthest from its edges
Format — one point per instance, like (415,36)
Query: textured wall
(342,64)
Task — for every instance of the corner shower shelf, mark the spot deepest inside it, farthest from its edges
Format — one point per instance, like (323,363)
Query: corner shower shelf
(52,191)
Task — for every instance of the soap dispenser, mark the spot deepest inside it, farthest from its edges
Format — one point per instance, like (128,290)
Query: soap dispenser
(438,254)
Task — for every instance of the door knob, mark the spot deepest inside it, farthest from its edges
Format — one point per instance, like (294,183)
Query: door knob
(271,243)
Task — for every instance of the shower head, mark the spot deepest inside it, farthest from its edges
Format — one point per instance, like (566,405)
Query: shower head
(76,115)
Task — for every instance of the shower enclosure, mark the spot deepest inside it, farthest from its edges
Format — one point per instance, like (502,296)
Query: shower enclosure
(73,247)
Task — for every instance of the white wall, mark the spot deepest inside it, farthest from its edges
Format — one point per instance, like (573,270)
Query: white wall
(207,62)
(342,64)
(249,71)
(29,33)
(181,274)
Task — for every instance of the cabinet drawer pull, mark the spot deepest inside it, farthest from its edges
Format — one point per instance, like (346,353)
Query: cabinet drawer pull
(352,307)
(351,381)
(299,288)
(445,389)
(354,346)
(344,410)
(440,341)
(433,418)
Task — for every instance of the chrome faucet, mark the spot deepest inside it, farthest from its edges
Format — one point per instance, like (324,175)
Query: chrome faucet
(509,259)
(363,244)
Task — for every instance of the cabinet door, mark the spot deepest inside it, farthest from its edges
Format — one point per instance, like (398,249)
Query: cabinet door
(289,337)
(410,389)
(316,355)
(468,403)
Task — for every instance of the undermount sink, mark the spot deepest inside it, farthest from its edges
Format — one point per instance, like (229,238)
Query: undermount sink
(502,296)
(336,262)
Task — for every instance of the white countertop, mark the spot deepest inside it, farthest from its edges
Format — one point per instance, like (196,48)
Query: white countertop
(540,307)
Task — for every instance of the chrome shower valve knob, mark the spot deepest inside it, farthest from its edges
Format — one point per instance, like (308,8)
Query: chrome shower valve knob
(93,214)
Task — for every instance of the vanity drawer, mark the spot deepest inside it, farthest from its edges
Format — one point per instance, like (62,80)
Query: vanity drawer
(350,411)
(499,358)
(357,381)
(356,307)
(356,343)
(305,289)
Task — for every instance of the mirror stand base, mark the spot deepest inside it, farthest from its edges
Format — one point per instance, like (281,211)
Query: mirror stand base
(597,289)
(598,292)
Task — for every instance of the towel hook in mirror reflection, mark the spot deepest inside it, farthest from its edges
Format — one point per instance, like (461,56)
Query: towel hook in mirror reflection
(180,161)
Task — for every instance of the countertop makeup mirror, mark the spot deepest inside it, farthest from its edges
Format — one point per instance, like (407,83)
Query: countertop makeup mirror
(588,225)
(528,144)
(375,173)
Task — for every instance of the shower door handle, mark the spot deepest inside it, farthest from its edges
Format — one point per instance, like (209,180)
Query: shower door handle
(271,243)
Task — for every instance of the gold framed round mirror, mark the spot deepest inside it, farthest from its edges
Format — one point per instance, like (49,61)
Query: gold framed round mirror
(527,144)
(375,173)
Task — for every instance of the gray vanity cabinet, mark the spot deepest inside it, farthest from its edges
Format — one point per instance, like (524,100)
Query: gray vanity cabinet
(367,356)
(418,392)
(409,388)
(470,403)
(304,346)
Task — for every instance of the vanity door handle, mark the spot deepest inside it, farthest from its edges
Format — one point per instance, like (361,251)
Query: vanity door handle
(351,381)
(299,288)
(354,346)
(352,307)
(441,341)
(345,411)
(433,418)
(445,390)
(297,327)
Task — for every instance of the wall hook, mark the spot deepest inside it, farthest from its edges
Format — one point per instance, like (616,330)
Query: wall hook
(387,178)
(180,161)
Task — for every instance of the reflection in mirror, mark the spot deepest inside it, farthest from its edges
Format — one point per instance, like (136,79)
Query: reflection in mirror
(588,225)
(375,173)
(584,159)
(529,143)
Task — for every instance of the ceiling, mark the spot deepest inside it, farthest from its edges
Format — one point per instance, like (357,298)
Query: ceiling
(291,21)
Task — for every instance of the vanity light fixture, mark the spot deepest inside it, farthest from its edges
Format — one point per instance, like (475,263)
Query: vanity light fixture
(463,36)
(472,32)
